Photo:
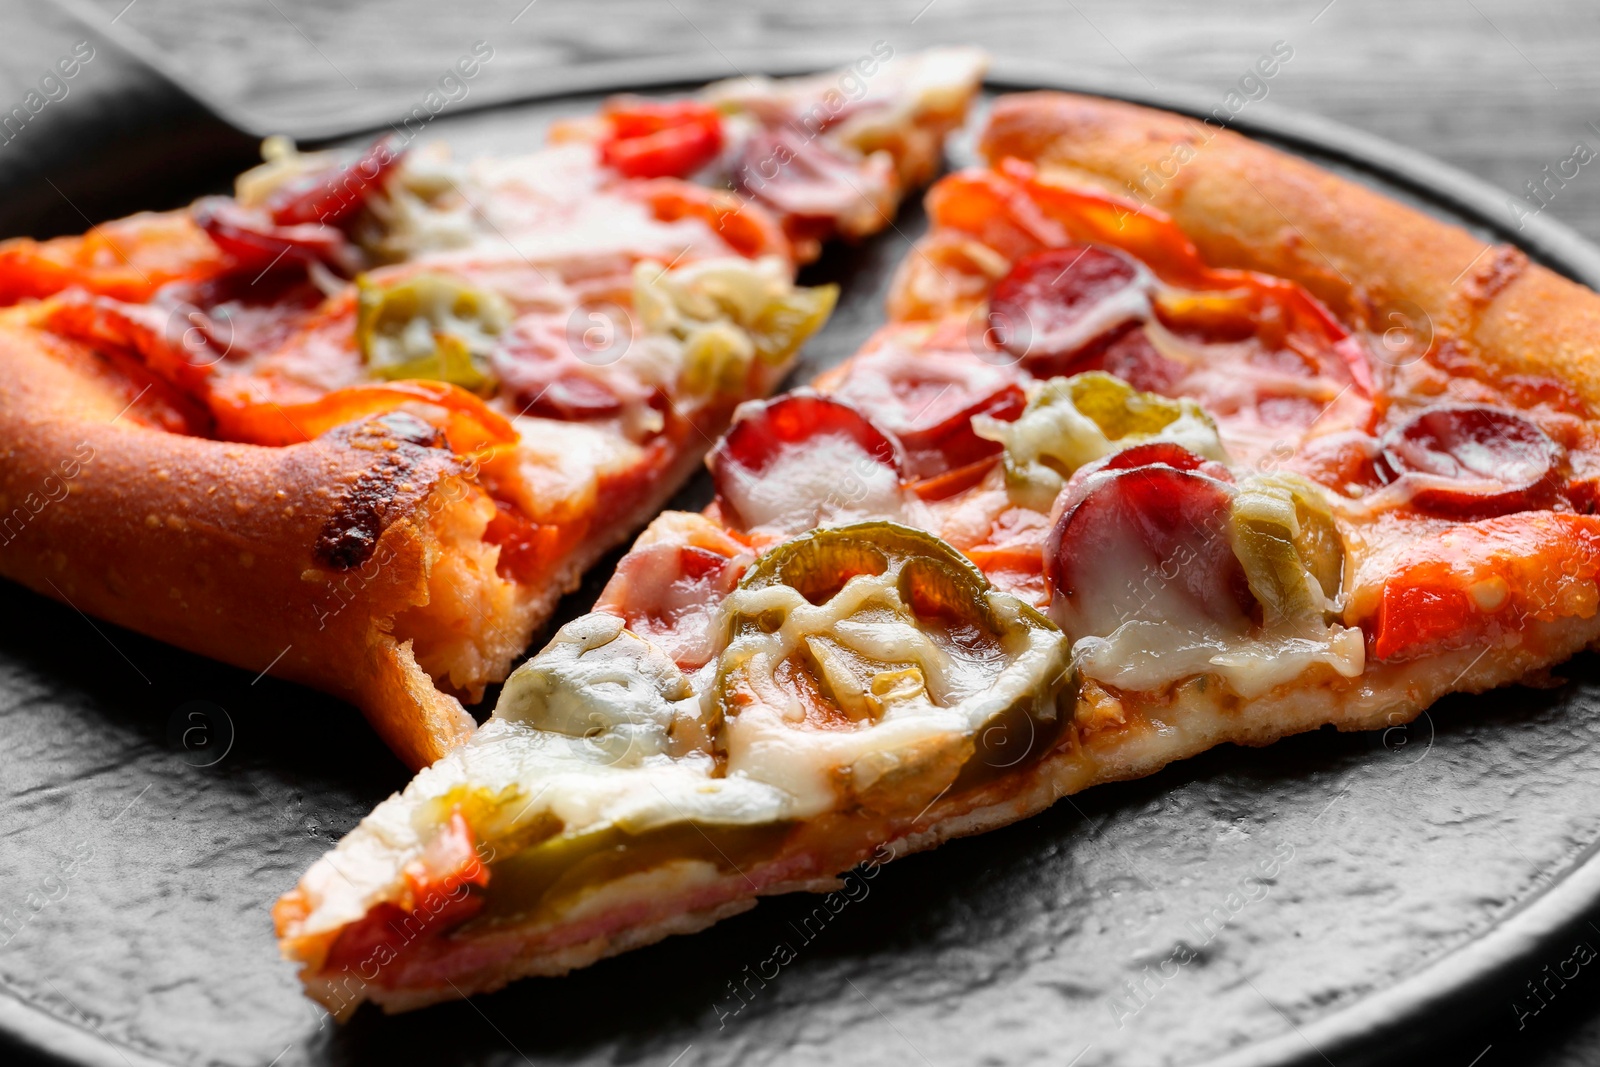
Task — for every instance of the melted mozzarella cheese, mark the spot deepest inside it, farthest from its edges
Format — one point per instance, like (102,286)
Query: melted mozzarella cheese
(961,691)
(826,481)
(1142,656)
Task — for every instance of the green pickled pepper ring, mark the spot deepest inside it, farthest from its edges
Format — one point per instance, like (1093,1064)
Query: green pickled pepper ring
(934,582)
(431,326)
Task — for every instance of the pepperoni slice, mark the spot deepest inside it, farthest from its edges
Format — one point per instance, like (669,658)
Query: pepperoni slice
(256,243)
(947,442)
(767,428)
(650,139)
(1057,304)
(1128,355)
(334,196)
(1150,544)
(238,315)
(1149,454)
(928,400)
(1260,352)
(1468,459)
(799,176)
(768,432)
(669,594)
(575,398)
(1172,455)
(545,372)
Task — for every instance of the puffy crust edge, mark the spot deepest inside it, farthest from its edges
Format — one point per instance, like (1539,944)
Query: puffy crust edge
(211,546)
(1247,205)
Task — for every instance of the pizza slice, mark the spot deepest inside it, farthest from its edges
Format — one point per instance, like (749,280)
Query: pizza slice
(830,154)
(1117,487)
(363,422)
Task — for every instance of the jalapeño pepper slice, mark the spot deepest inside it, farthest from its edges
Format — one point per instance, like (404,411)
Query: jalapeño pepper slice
(1070,422)
(872,666)
(430,326)
(592,768)
(729,313)
(1285,538)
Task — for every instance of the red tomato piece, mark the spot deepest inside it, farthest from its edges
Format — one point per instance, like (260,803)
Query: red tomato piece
(669,140)
(128,259)
(994,209)
(526,547)
(1420,609)
(955,480)
(468,423)
(1473,582)
(748,228)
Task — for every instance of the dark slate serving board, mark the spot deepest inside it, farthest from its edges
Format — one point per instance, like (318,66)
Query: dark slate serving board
(1336,898)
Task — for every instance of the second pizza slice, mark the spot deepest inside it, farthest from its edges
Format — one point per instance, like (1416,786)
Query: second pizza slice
(362,423)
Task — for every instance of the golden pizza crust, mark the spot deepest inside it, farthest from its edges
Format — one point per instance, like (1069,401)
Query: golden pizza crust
(552,964)
(213,546)
(1365,255)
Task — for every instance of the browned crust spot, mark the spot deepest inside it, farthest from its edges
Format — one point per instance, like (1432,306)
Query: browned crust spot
(415,457)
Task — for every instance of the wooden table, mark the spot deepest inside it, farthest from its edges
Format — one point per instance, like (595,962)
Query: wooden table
(1499,88)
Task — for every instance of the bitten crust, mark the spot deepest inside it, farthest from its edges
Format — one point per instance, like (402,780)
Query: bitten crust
(227,549)
(1367,256)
